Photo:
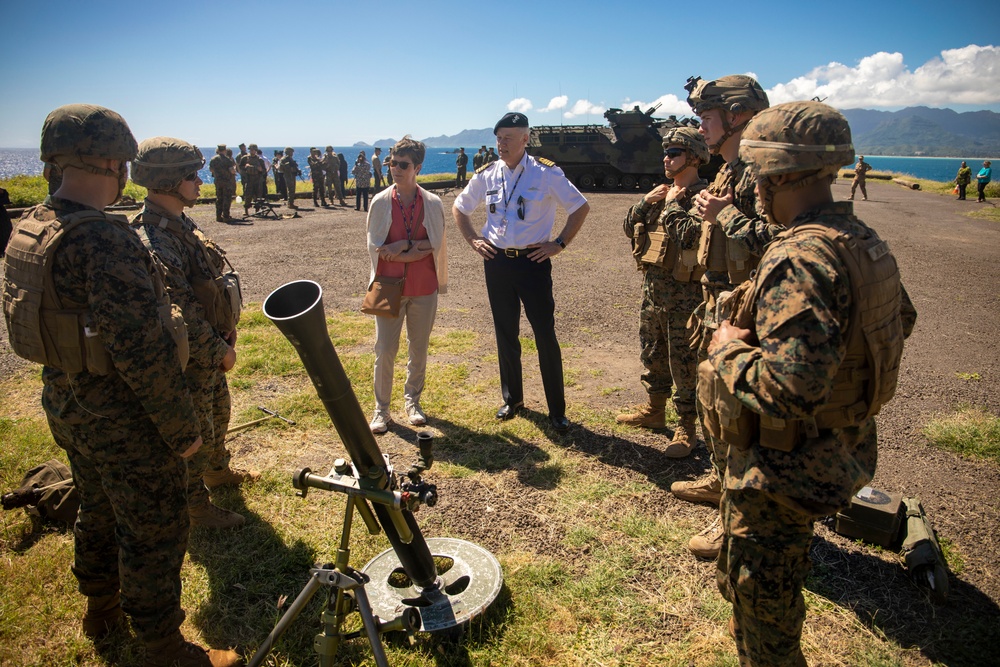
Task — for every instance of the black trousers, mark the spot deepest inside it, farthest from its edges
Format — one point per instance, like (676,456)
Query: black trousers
(511,282)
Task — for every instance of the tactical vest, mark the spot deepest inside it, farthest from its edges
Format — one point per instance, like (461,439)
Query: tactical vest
(652,244)
(866,379)
(717,252)
(41,326)
(217,290)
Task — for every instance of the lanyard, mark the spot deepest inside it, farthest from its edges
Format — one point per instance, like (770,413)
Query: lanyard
(408,224)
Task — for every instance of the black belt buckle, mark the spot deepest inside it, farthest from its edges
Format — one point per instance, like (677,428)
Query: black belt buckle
(512,253)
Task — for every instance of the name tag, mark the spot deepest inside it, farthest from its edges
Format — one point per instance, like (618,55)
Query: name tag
(492,192)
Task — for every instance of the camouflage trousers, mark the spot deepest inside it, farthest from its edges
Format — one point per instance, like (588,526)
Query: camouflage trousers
(762,568)
(132,530)
(333,186)
(707,325)
(210,393)
(859,183)
(669,361)
(289,188)
(223,200)
(319,187)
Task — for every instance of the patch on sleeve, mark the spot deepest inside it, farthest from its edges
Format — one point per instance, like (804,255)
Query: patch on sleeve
(483,168)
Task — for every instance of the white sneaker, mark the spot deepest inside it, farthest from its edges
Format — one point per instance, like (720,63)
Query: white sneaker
(416,414)
(380,422)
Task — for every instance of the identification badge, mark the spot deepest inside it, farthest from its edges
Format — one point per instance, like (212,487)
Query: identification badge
(493,208)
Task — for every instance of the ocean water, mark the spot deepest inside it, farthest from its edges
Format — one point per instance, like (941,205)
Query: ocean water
(15,161)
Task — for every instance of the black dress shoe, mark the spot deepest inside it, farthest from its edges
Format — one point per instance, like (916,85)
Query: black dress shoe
(560,424)
(508,410)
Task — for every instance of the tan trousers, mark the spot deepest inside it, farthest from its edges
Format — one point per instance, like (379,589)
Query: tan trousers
(419,313)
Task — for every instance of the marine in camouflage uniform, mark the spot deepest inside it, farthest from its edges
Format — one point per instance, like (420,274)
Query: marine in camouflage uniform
(224,174)
(861,170)
(331,165)
(664,238)
(254,177)
(732,240)
(803,367)
(165,166)
(290,172)
(316,174)
(127,428)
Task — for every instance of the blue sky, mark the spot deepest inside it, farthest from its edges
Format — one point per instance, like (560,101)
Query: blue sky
(315,72)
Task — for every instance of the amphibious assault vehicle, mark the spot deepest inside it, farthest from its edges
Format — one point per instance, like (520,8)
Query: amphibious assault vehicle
(626,155)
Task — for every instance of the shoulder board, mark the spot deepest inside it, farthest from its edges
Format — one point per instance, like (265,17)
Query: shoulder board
(484,167)
(545,161)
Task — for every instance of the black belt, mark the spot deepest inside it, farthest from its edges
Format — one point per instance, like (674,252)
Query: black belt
(513,253)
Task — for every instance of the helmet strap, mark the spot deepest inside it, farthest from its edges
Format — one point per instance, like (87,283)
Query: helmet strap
(176,194)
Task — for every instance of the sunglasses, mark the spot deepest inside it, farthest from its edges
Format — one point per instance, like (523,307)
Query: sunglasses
(401,164)
(193,176)
(674,152)
(520,208)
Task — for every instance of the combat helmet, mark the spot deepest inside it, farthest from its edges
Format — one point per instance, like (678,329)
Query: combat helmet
(74,131)
(736,93)
(691,140)
(163,163)
(796,137)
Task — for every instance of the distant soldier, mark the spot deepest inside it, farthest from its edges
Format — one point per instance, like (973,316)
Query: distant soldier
(114,394)
(733,237)
(490,156)
(477,159)
(290,172)
(316,175)
(664,235)
(861,169)
(796,375)
(239,167)
(962,179)
(224,175)
(344,172)
(279,180)
(252,167)
(461,163)
(208,293)
(331,166)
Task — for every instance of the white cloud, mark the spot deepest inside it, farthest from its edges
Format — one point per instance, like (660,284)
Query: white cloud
(582,108)
(967,75)
(559,102)
(670,104)
(520,104)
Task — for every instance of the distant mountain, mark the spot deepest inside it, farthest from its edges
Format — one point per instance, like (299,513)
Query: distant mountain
(466,138)
(922,131)
(385,143)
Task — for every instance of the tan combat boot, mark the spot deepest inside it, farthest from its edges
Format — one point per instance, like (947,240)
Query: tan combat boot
(207,515)
(647,416)
(685,437)
(707,490)
(229,477)
(175,652)
(708,543)
(104,613)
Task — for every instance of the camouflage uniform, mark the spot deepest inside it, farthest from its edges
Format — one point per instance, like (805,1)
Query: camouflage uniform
(793,389)
(316,175)
(667,303)
(223,174)
(771,498)
(290,171)
(331,165)
(205,377)
(861,170)
(123,432)
(252,167)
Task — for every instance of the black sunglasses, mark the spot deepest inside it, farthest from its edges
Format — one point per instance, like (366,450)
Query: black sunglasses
(402,164)
(520,208)
(673,152)
(193,176)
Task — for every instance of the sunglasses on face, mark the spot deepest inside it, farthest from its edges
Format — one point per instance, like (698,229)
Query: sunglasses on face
(400,164)
(193,176)
(674,152)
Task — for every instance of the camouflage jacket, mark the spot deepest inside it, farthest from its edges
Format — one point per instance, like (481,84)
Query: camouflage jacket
(208,348)
(106,267)
(288,166)
(331,165)
(802,302)
(673,217)
(252,166)
(222,171)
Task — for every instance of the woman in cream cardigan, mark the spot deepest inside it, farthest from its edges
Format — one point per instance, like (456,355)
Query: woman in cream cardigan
(406,237)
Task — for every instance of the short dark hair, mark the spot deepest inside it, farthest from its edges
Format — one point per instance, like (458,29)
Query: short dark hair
(410,146)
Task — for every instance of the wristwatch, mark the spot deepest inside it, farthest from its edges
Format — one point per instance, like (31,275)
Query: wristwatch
(562,244)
